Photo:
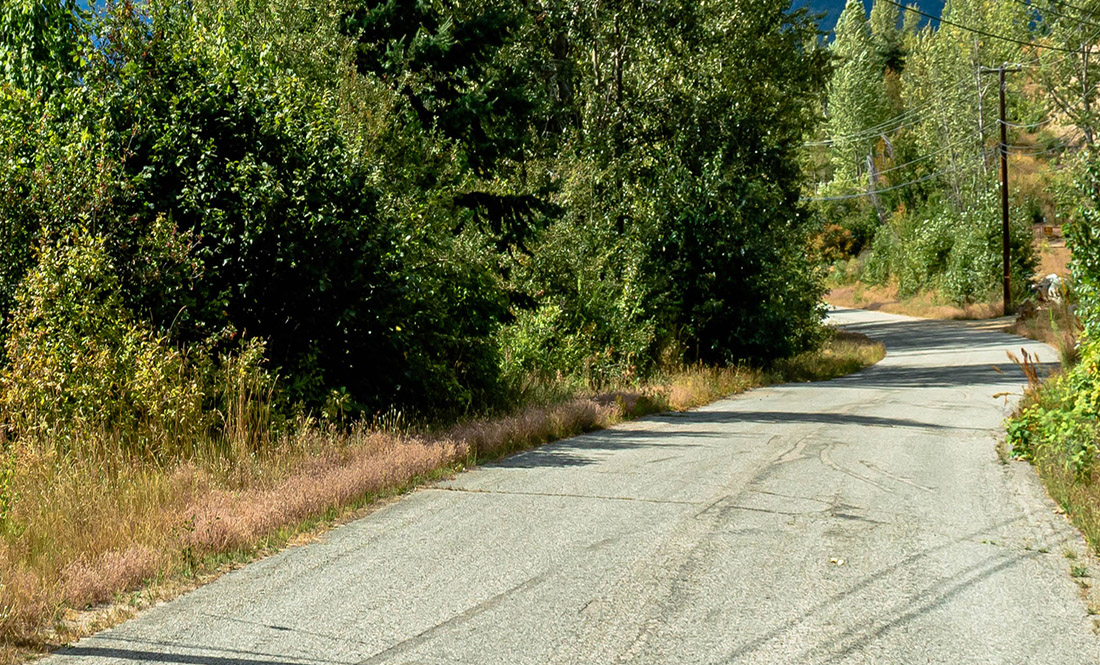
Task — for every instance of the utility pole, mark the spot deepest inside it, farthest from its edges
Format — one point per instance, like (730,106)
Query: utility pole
(1005,258)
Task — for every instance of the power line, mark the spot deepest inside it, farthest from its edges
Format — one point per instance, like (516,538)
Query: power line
(888,125)
(1051,12)
(878,191)
(930,155)
(982,32)
(1080,9)
(1030,126)
(1033,151)
(881,128)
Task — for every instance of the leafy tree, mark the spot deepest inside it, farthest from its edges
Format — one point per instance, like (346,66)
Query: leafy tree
(857,97)
(40,43)
(684,165)
(1071,79)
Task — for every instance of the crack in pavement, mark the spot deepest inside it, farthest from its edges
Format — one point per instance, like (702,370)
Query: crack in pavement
(567,495)
(458,619)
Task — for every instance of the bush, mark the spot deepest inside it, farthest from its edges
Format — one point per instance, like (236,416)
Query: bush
(589,317)
(850,224)
(1063,413)
(80,364)
(956,252)
(1083,239)
(880,263)
(230,194)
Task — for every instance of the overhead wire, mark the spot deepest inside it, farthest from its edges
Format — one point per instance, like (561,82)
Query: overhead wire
(1041,11)
(1033,125)
(981,32)
(846,197)
(887,126)
(1080,9)
(935,153)
(876,130)
(899,121)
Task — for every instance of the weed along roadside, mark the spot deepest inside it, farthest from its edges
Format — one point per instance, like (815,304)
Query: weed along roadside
(92,540)
(1056,428)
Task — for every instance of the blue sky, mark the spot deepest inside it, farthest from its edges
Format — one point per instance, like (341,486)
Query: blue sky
(834,7)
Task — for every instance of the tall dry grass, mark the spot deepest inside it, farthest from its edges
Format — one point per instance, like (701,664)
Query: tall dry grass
(88,526)
(1054,323)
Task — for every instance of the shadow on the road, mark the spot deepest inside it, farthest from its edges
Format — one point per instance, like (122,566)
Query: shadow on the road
(164,657)
(141,651)
(587,449)
(916,337)
(590,449)
(782,417)
(933,335)
(952,376)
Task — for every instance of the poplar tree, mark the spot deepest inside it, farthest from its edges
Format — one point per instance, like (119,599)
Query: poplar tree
(857,98)
(1071,78)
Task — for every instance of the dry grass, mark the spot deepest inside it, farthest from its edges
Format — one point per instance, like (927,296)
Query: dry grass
(1079,500)
(1053,259)
(925,305)
(1052,323)
(85,531)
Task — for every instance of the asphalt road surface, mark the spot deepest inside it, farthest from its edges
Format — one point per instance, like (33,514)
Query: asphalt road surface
(861,520)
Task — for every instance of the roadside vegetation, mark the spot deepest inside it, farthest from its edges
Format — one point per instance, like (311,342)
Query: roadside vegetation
(907,164)
(263,261)
(97,524)
(1057,426)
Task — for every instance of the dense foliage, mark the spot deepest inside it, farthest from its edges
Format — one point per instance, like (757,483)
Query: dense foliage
(1059,424)
(908,161)
(392,203)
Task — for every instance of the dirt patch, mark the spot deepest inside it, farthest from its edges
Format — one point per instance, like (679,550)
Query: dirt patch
(926,305)
(1053,259)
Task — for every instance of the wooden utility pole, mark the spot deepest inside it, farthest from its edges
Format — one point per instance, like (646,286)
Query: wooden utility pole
(1005,258)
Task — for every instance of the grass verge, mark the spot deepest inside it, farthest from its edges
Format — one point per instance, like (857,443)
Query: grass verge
(88,541)
(1053,323)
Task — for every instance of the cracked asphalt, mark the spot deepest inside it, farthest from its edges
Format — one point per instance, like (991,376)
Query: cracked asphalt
(861,520)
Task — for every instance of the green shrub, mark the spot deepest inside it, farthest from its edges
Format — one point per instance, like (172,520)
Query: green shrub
(229,193)
(81,364)
(1063,414)
(924,247)
(958,252)
(880,263)
(1083,239)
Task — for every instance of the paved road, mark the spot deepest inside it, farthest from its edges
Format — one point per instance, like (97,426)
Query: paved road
(863,520)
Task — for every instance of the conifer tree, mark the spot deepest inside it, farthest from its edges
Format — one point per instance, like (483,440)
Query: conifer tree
(885,17)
